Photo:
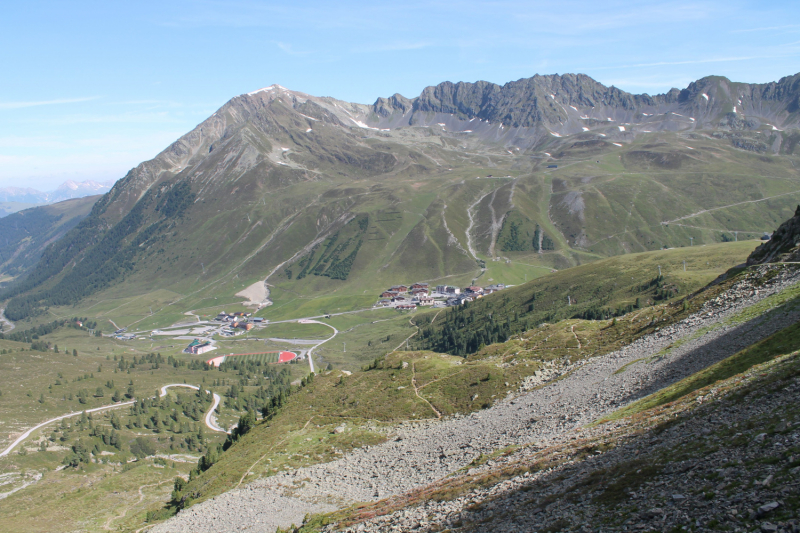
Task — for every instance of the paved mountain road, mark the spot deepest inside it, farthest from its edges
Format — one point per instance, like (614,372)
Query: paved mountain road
(310,321)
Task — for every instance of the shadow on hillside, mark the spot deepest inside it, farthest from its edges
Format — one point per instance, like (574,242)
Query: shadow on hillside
(640,473)
(716,349)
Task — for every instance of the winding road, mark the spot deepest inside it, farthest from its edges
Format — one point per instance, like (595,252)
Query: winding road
(210,422)
(309,321)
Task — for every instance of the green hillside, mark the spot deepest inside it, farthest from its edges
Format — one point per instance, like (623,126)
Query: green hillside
(596,291)
(26,233)
(418,385)
(387,387)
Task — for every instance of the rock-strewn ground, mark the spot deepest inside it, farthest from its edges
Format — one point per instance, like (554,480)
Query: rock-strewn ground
(732,464)
(418,456)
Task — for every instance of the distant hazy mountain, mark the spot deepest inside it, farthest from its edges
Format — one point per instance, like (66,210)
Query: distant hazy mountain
(25,234)
(65,191)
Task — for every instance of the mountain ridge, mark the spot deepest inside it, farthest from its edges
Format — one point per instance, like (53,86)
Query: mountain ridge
(532,108)
(274,174)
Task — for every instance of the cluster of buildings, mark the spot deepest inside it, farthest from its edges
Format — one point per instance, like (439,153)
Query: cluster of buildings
(238,323)
(409,297)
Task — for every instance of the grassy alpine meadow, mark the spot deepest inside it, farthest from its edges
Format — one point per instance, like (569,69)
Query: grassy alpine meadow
(295,330)
(301,433)
(363,337)
(407,386)
(99,497)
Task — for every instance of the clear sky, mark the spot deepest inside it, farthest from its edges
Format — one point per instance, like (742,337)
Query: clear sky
(90,89)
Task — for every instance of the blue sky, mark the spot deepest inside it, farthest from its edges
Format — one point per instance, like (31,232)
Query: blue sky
(90,89)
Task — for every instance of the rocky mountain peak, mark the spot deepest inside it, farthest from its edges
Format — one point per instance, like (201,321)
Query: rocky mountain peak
(558,102)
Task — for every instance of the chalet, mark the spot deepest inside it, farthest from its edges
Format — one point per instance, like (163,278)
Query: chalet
(417,292)
(243,325)
(405,307)
(384,302)
(425,300)
(418,286)
(473,290)
(257,319)
(389,294)
(398,288)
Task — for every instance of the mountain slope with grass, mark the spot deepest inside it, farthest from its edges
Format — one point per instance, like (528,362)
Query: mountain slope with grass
(317,198)
(575,396)
(601,290)
(409,432)
(24,235)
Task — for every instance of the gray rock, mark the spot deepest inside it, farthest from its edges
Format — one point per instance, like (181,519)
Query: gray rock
(768,507)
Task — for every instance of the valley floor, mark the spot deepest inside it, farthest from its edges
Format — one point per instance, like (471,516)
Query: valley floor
(419,454)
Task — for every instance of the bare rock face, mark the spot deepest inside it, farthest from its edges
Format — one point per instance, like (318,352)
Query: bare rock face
(548,100)
(783,247)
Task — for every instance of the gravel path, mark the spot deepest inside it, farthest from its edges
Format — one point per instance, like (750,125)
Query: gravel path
(420,454)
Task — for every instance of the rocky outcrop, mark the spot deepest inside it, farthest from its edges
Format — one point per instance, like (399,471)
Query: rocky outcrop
(783,247)
(397,102)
